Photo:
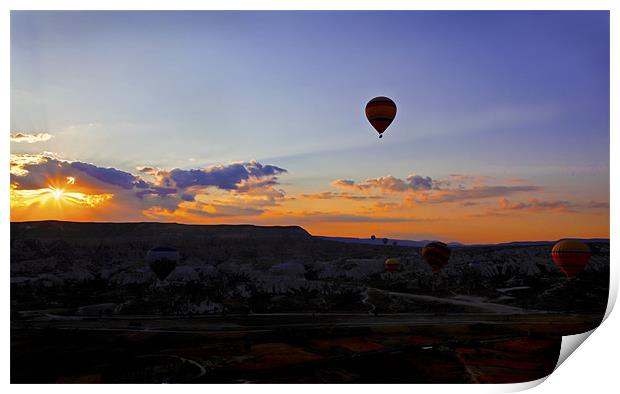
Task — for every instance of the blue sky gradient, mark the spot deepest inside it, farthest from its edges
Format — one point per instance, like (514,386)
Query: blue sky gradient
(506,94)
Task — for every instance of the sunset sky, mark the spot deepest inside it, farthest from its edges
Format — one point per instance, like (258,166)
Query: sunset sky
(502,130)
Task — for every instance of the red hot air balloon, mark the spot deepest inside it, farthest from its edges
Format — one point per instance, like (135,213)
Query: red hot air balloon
(380,112)
(571,256)
(436,254)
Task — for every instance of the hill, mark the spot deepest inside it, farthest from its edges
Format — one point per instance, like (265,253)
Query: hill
(50,229)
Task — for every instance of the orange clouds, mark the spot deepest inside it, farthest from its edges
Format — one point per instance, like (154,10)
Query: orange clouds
(467,208)
(238,189)
(337,195)
(418,189)
(480,192)
(534,204)
(387,184)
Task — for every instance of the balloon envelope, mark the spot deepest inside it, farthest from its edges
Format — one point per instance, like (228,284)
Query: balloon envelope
(162,260)
(571,256)
(436,254)
(392,264)
(380,112)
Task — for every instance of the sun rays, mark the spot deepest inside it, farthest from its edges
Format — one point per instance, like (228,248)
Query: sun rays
(55,197)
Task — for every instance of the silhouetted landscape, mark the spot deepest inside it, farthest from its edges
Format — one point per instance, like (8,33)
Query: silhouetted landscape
(275,304)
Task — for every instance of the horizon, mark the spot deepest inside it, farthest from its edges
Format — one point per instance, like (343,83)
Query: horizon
(502,131)
(333,237)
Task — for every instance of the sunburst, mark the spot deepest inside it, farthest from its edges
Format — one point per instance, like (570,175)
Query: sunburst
(56,193)
(57,196)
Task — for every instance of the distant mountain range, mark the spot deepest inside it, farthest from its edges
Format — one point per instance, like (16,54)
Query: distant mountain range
(379,241)
(419,244)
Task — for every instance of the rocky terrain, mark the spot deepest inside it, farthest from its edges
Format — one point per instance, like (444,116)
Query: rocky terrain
(275,304)
(100,268)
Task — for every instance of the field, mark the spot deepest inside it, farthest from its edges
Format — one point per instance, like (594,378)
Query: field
(292,348)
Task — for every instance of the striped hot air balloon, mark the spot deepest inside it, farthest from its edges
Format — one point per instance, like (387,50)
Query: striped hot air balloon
(436,254)
(380,112)
(392,264)
(571,256)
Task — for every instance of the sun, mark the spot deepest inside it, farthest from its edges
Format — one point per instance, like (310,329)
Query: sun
(54,196)
(56,193)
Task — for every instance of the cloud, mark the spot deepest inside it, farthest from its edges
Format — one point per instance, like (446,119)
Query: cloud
(147,170)
(21,161)
(343,183)
(38,171)
(30,138)
(474,193)
(338,195)
(253,184)
(337,217)
(417,189)
(223,210)
(249,186)
(187,197)
(159,191)
(534,204)
(258,170)
(25,198)
(505,207)
(227,177)
(417,182)
(387,184)
(156,175)
(197,211)
(516,179)
(488,213)
(386,206)
(107,175)
(598,205)
(460,180)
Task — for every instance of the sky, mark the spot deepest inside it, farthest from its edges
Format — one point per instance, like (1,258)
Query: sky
(502,130)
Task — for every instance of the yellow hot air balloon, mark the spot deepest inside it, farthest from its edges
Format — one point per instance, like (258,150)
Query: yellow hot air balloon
(392,264)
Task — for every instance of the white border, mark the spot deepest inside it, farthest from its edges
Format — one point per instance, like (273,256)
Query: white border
(592,368)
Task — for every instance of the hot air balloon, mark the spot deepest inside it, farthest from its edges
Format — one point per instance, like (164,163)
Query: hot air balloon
(392,264)
(162,260)
(380,112)
(571,256)
(373,237)
(436,254)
